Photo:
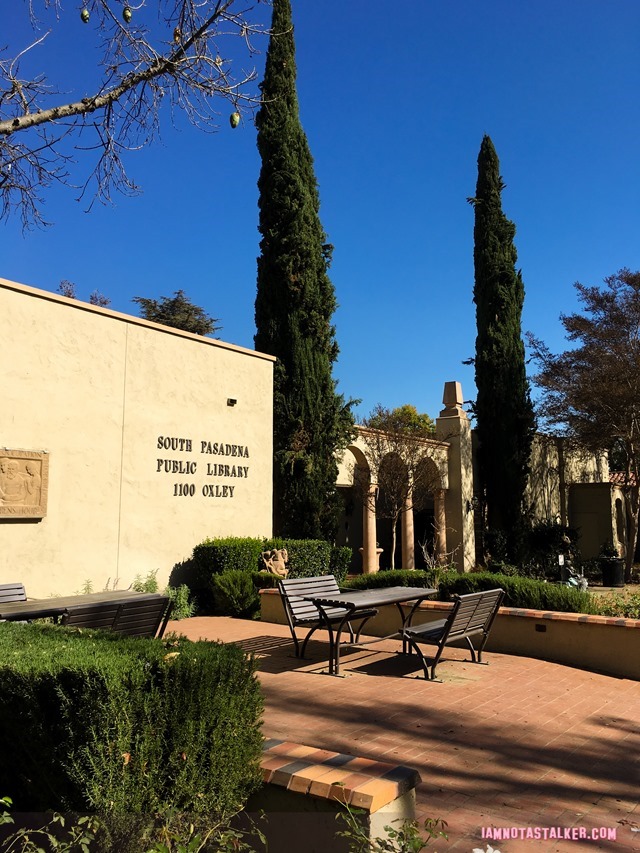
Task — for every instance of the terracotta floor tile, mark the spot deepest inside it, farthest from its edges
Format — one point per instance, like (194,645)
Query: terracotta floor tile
(520,741)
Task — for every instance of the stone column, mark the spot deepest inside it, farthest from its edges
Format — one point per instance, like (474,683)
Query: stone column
(440,518)
(453,427)
(369,549)
(408,537)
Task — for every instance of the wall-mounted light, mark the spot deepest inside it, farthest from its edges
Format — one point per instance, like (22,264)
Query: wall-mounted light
(231,401)
(472,505)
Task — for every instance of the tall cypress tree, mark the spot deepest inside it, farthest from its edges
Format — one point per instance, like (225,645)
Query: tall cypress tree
(295,303)
(504,412)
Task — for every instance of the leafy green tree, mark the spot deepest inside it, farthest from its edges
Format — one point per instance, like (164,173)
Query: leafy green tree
(591,392)
(177,311)
(403,419)
(503,409)
(294,305)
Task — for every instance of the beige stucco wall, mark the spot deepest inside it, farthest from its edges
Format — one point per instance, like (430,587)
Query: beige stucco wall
(96,389)
(555,466)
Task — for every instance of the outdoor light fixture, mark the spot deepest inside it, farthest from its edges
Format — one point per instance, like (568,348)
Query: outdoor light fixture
(231,401)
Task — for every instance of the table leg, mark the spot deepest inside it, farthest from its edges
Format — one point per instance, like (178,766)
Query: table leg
(332,639)
(336,667)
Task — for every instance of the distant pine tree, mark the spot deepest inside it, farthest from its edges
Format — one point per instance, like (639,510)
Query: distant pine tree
(177,311)
(503,408)
(295,304)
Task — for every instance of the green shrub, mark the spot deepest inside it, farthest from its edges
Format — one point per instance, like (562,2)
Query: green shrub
(307,557)
(392,577)
(182,607)
(185,572)
(519,592)
(212,558)
(234,553)
(126,727)
(264,580)
(146,584)
(215,558)
(340,562)
(625,605)
(499,568)
(234,594)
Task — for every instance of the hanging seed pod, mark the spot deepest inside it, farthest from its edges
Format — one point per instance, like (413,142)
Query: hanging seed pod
(234,119)
(127,14)
(84,15)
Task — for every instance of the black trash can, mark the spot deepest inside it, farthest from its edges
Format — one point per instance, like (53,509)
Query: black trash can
(612,571)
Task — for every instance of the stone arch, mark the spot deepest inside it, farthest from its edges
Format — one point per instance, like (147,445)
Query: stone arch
(394,485)
(428,492)
(354,477)
(364,456)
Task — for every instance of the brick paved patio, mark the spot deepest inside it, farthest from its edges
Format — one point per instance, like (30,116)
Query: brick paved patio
(518,743)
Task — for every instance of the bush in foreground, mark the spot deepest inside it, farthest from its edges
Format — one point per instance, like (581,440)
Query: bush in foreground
(126,728)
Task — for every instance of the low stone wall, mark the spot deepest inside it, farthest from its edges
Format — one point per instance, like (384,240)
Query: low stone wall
(305,787)
(597,643)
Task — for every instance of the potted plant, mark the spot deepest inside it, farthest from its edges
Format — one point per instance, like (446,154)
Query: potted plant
(611,565)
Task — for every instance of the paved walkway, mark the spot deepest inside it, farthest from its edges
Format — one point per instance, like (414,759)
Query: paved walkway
(518,743)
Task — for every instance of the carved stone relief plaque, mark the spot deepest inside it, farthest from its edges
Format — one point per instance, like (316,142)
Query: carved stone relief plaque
(24,483)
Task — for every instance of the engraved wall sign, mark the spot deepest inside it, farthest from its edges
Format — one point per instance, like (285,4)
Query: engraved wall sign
(24,483)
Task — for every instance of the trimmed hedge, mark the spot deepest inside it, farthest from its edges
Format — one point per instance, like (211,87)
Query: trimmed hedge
(519,592)
(215,556)
(340,562)
(392,577)
(307,557)
(214,559)
(126,727)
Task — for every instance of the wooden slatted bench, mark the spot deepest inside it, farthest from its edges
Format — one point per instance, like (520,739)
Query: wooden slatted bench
(146,617)
(472,615)
(143,618)
(305,787)
(12,592)
(300,611)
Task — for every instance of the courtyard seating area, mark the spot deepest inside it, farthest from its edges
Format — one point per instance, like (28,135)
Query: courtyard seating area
(518,743)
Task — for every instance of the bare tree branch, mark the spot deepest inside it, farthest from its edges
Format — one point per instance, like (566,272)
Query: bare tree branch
(178,61)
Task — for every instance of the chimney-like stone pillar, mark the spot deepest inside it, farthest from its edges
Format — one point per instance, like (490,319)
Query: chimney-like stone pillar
(454,427)
(370,555)
(440,518)
(408,536)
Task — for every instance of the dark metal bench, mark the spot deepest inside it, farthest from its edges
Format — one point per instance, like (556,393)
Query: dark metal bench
(145,618)
(472,615)
(12,592)
(300,611)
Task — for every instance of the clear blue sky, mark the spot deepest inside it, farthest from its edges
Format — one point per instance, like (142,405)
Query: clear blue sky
(395,99)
